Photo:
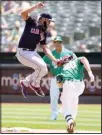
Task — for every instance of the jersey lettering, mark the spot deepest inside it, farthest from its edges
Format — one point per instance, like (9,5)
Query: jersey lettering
(34,31)
(70,65)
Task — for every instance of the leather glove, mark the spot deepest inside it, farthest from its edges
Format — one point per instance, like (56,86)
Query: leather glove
(64,60)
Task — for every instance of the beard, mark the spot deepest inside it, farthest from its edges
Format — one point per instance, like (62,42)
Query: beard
(43,27)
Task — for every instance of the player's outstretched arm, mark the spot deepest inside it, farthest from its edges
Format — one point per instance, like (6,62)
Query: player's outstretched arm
(49,54)
(58,62)
(85,61)
(25,13)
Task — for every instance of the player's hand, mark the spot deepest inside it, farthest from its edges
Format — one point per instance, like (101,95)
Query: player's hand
(92,78)
(40,5)
(64,60)
(60,62)
(56,61)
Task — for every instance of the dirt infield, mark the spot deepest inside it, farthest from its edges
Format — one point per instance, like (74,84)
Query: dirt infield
(28,130)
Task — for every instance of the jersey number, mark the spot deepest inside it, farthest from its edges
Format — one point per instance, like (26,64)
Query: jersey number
(70,65)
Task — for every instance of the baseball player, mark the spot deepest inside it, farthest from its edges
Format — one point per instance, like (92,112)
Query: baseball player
(58,53)
(34,34)
(71,75)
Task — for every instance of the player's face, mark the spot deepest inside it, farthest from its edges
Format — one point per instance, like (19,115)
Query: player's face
(45,23)
(58,44)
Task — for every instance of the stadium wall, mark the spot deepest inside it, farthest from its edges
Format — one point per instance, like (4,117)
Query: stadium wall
(94,57)
(12,73)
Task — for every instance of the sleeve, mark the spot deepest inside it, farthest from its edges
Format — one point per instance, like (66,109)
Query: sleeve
(30,20)
(79,58)
(73,54)
(43,42)
(45,58)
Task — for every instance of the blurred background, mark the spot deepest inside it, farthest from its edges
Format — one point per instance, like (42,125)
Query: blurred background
(79,24)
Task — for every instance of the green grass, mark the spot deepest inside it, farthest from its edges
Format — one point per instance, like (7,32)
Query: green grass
(37,116)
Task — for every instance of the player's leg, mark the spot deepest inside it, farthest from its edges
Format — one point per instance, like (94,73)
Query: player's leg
(54,95)
(33,60)
(60,86)
(60,109)
(66,98)
(75,102)
(40,72)
(79,89)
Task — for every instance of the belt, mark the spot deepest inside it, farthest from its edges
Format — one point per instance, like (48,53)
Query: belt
(73,80)
(25,49)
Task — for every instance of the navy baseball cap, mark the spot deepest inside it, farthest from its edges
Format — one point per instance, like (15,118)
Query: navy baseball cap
(46,15)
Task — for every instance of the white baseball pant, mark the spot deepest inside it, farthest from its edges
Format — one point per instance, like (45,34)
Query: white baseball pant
(70,97)
(32,59)
(54,95)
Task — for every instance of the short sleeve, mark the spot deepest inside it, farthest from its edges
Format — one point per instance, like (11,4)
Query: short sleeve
(43,42)
(79,58)
(30,20)
(73,54)
(46,59)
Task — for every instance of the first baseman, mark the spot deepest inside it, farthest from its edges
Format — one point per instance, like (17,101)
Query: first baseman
(59,52)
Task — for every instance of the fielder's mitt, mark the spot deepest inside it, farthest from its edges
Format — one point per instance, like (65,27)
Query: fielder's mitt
(64,60)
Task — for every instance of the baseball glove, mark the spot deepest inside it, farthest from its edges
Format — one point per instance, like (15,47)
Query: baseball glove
(64,60)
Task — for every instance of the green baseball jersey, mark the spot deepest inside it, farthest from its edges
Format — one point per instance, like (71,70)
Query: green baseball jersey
(74,70)
(52,66)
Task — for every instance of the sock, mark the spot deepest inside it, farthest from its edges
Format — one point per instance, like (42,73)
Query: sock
(60,89)
(69,119)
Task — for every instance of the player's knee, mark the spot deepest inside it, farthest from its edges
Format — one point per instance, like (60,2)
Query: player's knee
(55,99)
(44,69)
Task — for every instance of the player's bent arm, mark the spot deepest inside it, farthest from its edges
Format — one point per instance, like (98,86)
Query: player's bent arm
(85,61)
(48,53)
(25,13)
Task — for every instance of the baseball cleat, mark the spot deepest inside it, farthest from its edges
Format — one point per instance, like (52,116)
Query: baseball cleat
(37,90)
(23,89)
(70,128)
(53,117)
